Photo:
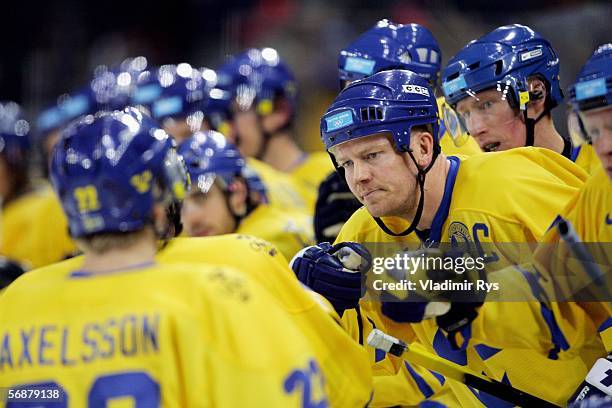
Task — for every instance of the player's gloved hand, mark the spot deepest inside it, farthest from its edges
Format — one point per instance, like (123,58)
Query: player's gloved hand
(431,292)
(335,205)
(334,271)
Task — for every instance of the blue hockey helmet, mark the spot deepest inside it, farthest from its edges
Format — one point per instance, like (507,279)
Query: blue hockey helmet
(256,77)
(210,157)
(109,89)
(391,46)
(67,108)
(110,168)
(218,110)
(172,91)
(592,89)
(113,88)
(389,101)
(14,133)
(504,58)
(217,104)
(593,86)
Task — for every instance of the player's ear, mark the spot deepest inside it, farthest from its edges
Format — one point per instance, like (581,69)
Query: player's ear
(424,146)
(537,95)
(160,219)
(238,196)
(280,115)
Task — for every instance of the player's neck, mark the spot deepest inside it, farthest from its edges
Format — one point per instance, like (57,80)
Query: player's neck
(282,152)
(435,181)
(547,136)
(141,252)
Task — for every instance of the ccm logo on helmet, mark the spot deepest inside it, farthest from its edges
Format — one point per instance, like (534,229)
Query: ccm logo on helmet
(415,89)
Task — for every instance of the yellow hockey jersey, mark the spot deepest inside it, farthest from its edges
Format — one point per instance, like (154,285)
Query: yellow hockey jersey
(176,335)
(348,378)
(561,273)
(584,156)
(501,197)
(282,190)
(343,362)
(309,174)
(289,231)
(34,229)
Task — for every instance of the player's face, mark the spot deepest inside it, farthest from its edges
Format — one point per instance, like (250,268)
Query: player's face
(598,125)
(178,128)
(381,179)
(491,121)
(249,137)
(49,143)
(207,214)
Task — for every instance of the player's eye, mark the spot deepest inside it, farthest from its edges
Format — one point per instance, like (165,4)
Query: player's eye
(372,155)
(346,164)
(198,197)
(593,134)
(486,105)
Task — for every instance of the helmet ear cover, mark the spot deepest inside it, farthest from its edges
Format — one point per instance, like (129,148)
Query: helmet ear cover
(537,95)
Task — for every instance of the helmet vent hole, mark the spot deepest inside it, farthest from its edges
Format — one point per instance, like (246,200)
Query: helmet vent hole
(453,76)
(370,113)
(498,67)
(474,66)
(364,114)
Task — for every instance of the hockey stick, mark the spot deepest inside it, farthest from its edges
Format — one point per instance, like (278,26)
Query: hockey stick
(571,238)
(398,348)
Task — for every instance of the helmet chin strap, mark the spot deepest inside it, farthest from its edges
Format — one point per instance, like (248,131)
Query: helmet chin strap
(530,125)
(172,228)
(421,182)
(529,122)
(266,136)
(249,205)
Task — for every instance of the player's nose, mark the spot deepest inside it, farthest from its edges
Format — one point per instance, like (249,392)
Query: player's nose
(476,126)
(361,172)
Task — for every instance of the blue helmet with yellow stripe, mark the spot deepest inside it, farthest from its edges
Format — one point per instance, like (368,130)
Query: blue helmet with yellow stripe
(504,58)
(256,77)
(209,156)
(110,168)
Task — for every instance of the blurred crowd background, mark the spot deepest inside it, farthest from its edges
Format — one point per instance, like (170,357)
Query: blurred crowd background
(52,48)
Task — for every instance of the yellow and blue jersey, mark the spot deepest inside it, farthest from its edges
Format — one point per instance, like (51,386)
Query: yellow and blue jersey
(309,173)
(590,215)
(503,197)
(281,188)
(584,156)
(348,377)
(288,230)
(34,229)
(343,362)
(172,335)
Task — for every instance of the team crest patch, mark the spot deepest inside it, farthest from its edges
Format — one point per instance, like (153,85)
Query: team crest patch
(458,233)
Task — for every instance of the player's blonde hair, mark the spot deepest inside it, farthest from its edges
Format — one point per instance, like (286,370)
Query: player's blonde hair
(105,242)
